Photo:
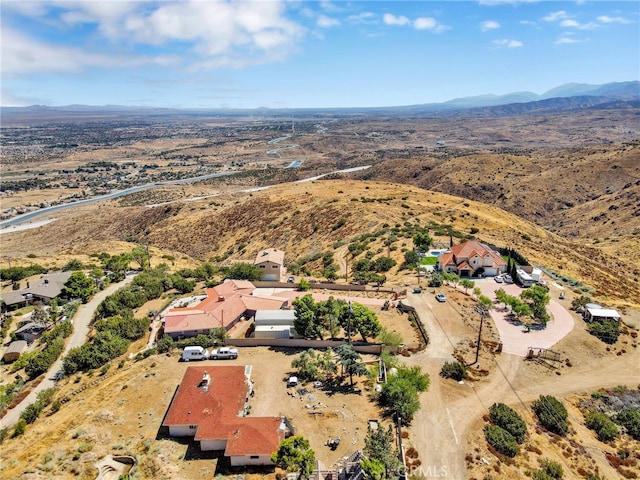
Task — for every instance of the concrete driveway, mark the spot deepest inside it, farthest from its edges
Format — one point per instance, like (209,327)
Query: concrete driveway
(514,338)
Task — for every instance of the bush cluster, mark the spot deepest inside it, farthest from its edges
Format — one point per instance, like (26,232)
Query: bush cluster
(507,418)
(552,414)
(33,411)
(454,370)
(602,425)
(549,470)
(629,418)
(605,330)
(501,440)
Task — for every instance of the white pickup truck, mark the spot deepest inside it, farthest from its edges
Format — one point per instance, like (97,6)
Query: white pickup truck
(223,352)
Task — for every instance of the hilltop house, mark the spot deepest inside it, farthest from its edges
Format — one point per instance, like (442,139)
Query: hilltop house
(472,259)
(44,289)
(210,405)
(271,261)
(224,306)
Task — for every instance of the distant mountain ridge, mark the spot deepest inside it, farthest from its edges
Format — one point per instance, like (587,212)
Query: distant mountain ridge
(568,96)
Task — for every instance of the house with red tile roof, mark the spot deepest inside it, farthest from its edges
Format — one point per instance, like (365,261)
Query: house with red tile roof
(210,406)
(472,259)
(271,261)
(224,305)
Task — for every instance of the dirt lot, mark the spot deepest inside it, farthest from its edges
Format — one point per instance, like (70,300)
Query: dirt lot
(122,411)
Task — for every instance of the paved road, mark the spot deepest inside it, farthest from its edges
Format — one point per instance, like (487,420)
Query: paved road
(81,322)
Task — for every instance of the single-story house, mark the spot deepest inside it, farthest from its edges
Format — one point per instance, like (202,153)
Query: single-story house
(224,305)
(30,331)
(14,350)
(600,314)
(210,405)
(271,261)
(275,324)
(44,289)
(472,259)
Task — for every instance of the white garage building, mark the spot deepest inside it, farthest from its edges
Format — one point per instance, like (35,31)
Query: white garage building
(275,324)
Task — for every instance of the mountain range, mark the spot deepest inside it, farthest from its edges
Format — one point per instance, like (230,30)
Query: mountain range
(568,96)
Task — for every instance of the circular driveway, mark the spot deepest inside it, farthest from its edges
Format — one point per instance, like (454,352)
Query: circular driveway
(513,336)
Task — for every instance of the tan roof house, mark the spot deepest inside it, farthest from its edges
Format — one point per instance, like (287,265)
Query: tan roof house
(210,405)
(472,259)
(271,261)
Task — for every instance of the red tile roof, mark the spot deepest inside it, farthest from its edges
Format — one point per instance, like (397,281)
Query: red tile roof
(215,410)
(223,305)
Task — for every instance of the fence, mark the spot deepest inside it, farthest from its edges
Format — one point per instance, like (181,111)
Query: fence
(416,320)
(359,347)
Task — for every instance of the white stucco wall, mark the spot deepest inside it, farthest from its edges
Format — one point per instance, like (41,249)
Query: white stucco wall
(182,430)
(206,445)
(241,460)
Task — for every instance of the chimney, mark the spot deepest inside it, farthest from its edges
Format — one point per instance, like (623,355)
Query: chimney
(206,380)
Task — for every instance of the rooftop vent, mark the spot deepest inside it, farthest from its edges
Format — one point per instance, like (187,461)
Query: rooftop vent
(205,382)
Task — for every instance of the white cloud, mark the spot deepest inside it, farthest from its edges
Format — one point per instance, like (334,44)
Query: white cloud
(506,42)
(565,40)
(569,23)
(555,16)
(489,25)
(237,34)
(23,54)
(327,22)
(391,19)
(608,19)
(425,23)
(364,17)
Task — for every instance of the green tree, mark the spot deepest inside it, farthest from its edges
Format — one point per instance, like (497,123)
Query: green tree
(243,271)
(379,450)
(422,241)
(329,313)
(466,284)
(313,365)
(118,265)
(411,259)
(383,264)
(537,297)
(350,361)
(140,255)
(39,315)
(295,454)
(79,286)
(363,320)
(73,264)
(330,272)
(306,321)
(373,469)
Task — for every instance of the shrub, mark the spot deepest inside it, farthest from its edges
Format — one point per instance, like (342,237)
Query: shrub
(507,418)
(606,331)
(552,414)
(549,470)
(602,425)
(629,418)
(454,370)
(20,427)
(165,344)
(501,440)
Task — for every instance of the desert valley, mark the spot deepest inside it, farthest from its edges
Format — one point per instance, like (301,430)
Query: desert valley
(523,366)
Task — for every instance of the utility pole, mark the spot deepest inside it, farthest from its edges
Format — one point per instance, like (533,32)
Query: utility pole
(482,313)
(349,322)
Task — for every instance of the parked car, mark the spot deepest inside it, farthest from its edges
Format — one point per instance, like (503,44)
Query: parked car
(194,353)
(441,297)
(224,352)
(291,280)
(417,290)
(507,278)
(498,278)
(292,382)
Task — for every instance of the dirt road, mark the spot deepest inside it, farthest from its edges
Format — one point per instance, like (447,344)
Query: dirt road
(449,410)
(81,322)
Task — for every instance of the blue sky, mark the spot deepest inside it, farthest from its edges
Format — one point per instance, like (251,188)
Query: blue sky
(290,54)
